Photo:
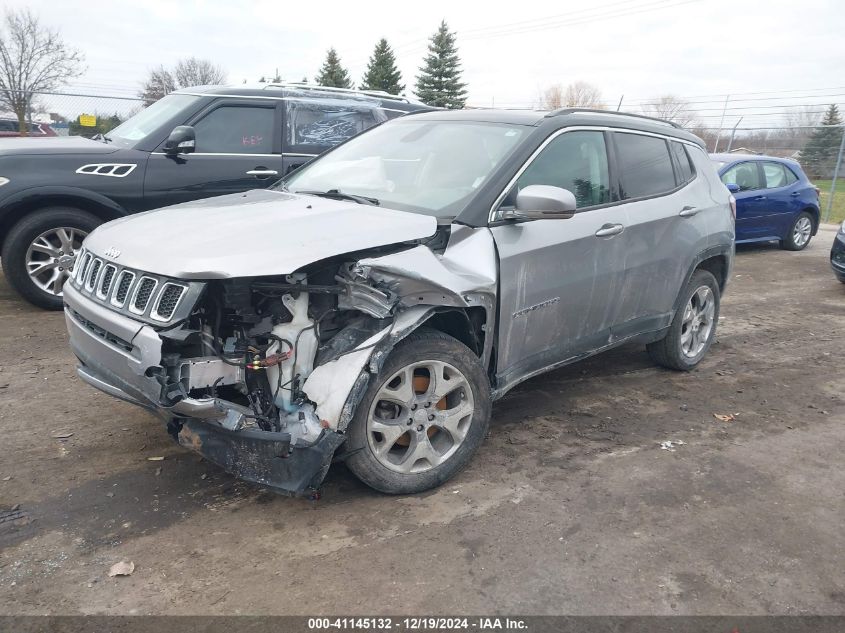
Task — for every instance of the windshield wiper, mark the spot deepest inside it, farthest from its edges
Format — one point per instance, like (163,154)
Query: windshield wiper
(337,194)
(101,137)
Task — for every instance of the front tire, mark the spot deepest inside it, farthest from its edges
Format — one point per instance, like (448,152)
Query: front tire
(694,326)
(800,233)
(40,251)
(422,418)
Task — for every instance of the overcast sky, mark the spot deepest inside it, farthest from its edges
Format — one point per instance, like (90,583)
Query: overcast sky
(697,49)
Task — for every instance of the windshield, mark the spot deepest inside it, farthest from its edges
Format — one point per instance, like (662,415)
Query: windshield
(150,118)
(430,167)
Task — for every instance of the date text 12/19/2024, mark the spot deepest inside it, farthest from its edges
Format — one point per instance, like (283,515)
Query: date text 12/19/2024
(417,624)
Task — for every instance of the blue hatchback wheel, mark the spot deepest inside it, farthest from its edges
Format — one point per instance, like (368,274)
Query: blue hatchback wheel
(800,233)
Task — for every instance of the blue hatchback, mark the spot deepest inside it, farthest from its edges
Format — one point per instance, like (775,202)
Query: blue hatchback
(774,199)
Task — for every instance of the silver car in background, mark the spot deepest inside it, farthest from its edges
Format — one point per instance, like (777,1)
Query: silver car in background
(373,304)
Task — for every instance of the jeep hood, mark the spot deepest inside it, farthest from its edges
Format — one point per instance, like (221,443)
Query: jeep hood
(251,234)
(18,146)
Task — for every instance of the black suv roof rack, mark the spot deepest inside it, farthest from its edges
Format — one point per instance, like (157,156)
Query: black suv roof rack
(562,111)
(381,94)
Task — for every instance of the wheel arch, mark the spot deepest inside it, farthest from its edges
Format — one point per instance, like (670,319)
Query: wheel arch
(715,260)
(28,201)
(464,324)
(717,265)
(815,213)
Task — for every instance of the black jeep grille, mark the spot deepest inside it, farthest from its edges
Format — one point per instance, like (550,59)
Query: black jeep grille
(95,269)
(126,279)
(167,301)
(142,295)
(105,284)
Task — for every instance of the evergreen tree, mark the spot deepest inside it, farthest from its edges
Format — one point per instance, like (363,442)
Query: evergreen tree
(382,73)
(332,74)
(819,154)
(439,82)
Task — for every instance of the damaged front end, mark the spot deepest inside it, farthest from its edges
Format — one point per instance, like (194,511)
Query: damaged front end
(262,375)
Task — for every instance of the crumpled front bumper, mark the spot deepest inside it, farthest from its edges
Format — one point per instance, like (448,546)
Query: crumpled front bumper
(115,354)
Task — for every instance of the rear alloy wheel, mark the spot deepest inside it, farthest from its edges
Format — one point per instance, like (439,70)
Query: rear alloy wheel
(422,418)
(694,327)
(40,252)
(800,234)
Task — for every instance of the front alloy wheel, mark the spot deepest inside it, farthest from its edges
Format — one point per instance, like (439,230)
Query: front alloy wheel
(40,250)
(422,417)
(51,256)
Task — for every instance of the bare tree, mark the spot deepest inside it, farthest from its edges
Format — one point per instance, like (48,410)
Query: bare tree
(188,72)
(33,59)
(551,98)
(198,72)
(800,120)
(671,108)
(580,94)
(159,83)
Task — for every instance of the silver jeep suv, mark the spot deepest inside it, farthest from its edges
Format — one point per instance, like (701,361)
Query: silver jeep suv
(373,304)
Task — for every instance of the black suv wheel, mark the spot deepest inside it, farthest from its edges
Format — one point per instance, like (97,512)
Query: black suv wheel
(40,251)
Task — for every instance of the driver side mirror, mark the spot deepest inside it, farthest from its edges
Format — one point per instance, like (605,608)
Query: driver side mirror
(182,140)
(733,188)
(543,202)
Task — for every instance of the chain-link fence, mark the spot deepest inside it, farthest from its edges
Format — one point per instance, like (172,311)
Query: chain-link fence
(66,114)
(818,148)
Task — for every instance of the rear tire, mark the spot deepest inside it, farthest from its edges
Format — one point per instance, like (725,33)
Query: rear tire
(800,233)
(694,326)
(40,250)
(422,418)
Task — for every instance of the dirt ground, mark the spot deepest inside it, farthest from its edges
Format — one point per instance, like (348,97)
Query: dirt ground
(571,506)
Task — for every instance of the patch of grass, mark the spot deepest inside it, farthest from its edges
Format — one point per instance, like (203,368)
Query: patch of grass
(837,212)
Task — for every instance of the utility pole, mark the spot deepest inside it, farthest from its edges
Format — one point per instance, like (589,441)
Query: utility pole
(721,122)
(835,174)
(618,107)
(733,132)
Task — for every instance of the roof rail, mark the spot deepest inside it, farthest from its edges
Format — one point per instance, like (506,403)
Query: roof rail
(562,111)
(381,94)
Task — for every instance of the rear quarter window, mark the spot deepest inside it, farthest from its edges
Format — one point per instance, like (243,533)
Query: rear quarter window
(644,164)
(684,167)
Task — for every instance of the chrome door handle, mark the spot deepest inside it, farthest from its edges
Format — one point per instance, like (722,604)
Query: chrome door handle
(609,230)
(688,212)
(760,198)
(262,172)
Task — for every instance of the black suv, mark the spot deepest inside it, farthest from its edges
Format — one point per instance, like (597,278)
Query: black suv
(194,143)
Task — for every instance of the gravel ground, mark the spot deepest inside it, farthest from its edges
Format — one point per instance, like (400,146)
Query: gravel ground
(571,507)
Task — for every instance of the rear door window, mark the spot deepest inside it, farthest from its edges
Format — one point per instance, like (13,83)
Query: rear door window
(644,164)
(775,175)
(744,175)
(236,130)
(315,126)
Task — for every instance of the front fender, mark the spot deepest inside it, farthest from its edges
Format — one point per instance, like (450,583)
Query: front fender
(37,194)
